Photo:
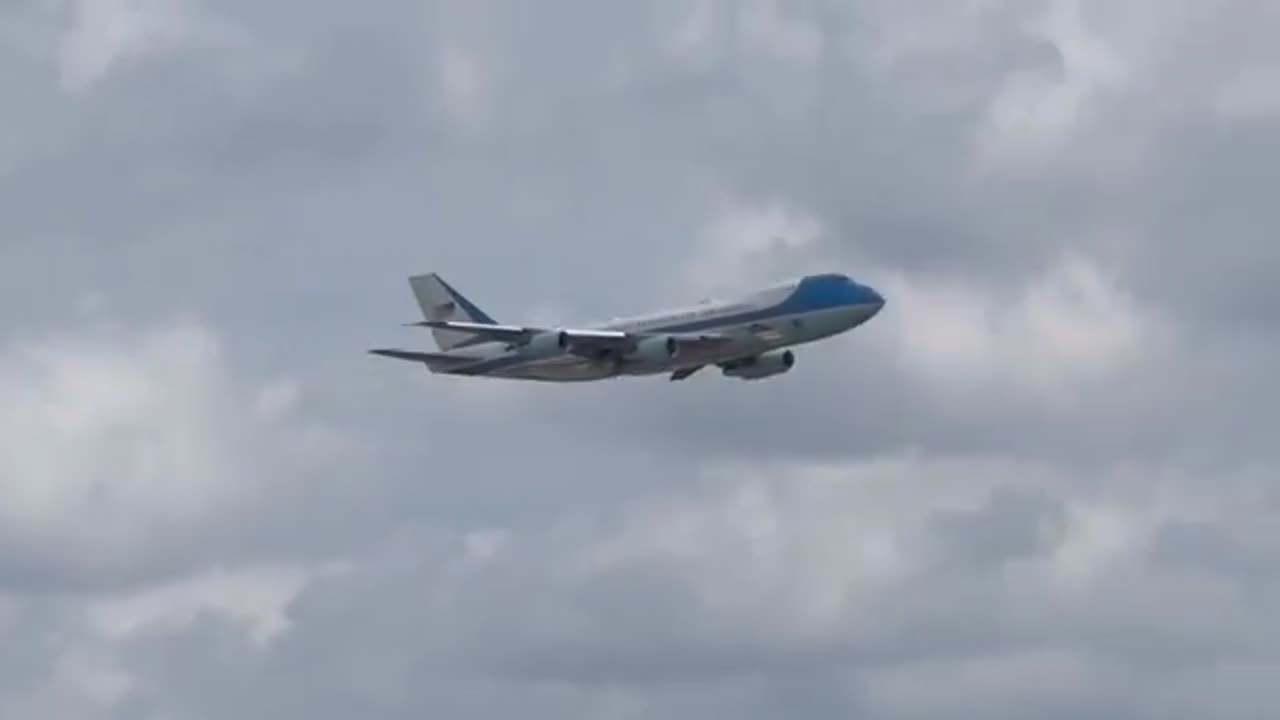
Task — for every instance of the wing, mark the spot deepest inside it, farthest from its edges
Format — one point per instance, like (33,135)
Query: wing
(484,331)
(587,343)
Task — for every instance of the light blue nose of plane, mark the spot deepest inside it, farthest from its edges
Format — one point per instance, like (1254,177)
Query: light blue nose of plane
(870,297)
(876,298)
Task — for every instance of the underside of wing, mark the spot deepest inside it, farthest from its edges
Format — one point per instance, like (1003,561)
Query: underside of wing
(684,373)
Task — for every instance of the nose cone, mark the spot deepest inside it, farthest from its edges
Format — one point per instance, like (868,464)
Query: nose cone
(874,299)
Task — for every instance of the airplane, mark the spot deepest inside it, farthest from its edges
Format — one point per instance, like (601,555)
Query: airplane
(747,338)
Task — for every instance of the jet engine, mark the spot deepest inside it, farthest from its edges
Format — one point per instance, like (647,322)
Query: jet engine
(547,344)
(655,351)
(760,366)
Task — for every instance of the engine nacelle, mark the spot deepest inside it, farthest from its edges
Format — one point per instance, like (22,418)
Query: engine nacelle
(655,351)
(761,366)
(547,344)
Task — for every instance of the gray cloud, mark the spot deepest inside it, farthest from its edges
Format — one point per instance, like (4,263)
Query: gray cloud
(1040,483)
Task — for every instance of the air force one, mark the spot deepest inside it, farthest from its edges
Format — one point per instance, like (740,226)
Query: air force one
(746,338)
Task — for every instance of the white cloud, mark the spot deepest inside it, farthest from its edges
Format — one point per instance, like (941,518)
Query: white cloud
(595,536)
(1068,328)
(1101,538)
(118,445)
(1252,94)
(466,85)
(101,33)
(275,402)
(900,565)
(880,576)
(704,32)
(482,545)
(998,685)
(466,62)
(765,24)
(256,598)
(793,551)
(95,679)
(1039,111)
(695,35)
(744,245)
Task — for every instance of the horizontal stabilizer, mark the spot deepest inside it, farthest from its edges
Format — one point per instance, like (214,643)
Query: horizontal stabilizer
(434,361)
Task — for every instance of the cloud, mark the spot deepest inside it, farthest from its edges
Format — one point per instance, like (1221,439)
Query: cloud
(1039,483)
(257,598)
(1069,327)
(102,33)
(1039,110)
(745,245)
(125,448)
(860,576)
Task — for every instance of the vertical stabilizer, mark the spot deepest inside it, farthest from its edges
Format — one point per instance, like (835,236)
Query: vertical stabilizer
(439,301)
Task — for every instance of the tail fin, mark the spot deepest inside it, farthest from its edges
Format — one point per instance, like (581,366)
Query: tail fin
(439,301)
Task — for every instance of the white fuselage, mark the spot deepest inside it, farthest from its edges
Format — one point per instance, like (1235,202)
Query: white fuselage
(787,315)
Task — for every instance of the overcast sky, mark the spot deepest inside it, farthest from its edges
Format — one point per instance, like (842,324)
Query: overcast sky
(1043,482)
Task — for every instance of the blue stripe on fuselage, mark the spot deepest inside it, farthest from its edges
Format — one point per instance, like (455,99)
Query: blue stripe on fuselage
(474,314)
(812,294)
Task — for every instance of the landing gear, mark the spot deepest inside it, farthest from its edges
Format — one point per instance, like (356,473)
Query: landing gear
(609,360)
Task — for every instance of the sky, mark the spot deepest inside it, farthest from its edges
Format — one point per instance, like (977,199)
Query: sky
(1042,482)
